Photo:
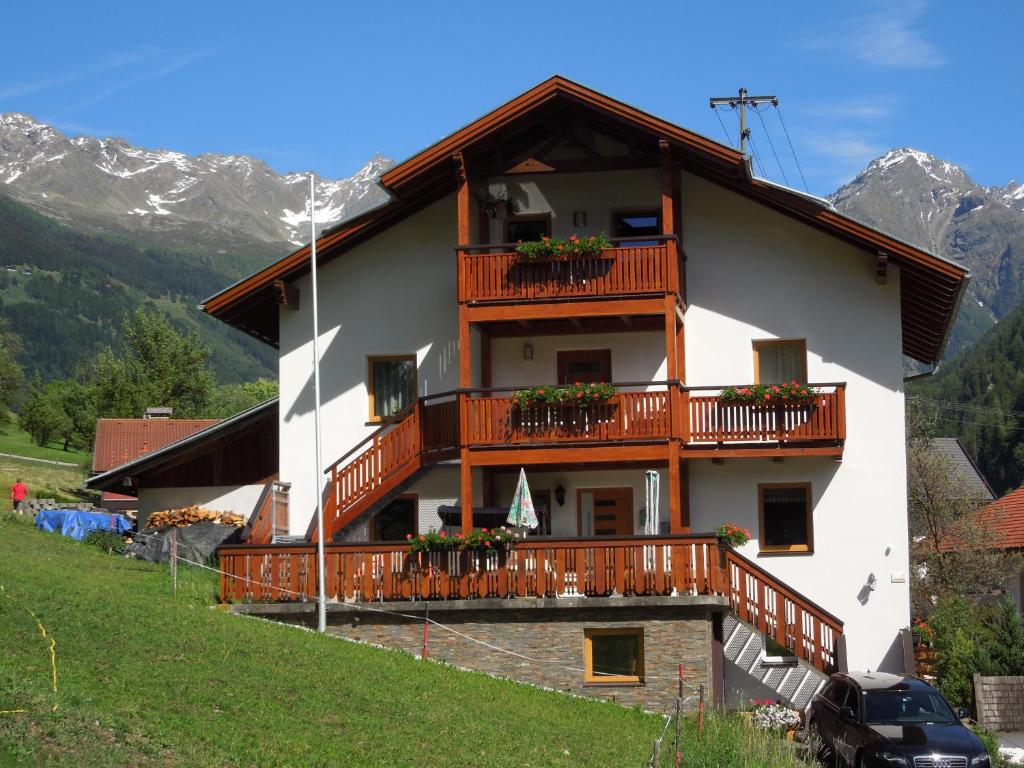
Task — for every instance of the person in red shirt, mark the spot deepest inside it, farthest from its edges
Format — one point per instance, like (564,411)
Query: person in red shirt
(18,493)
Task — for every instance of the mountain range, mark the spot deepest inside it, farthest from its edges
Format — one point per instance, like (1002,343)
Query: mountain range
(219,217)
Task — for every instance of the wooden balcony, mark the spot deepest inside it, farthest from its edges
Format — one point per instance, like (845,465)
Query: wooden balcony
(498,274)
(634,566)
(717,423)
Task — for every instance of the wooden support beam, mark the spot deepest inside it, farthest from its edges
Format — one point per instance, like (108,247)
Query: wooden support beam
(466,492)
(882,268)
(669,188)
(538,310)
(675,513)
(671,360)
(287,294)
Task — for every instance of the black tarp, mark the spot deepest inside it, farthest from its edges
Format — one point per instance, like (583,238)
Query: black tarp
(197,542)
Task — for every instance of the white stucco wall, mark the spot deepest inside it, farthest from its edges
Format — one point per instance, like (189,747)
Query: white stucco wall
(394,294)
(751,274)
(635,357)
(240,499)
(755,274)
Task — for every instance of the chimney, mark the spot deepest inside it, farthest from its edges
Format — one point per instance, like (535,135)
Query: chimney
(158,413)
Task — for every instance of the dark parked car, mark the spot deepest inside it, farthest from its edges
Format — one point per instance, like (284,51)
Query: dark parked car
(879,720)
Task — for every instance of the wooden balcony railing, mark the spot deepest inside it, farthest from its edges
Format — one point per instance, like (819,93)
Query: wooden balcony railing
(639,566)
(269,517)
(627,270)
(713,420)
(498,420)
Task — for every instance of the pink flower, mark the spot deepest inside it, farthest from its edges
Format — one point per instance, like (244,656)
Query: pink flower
(767,396)
(458,535)
(483,530)
(443,535)
(423,538)
(487,543)
(408,536)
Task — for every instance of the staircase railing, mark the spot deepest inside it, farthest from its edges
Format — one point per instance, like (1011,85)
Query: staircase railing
(781,613)
(269,517)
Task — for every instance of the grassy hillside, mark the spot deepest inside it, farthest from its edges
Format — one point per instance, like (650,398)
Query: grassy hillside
(66,293)
(16,441)
(146,679)
(43,480)
(976,396)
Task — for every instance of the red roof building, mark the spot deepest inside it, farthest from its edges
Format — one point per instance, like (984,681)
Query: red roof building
(119,441)
(1006,518)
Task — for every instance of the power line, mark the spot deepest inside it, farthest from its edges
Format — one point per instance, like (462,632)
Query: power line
(757,158)
(728,138)
(778,111)
(741,102)
(965,406)
(772,145)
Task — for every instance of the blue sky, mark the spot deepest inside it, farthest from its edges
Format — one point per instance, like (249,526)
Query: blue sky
(327,85)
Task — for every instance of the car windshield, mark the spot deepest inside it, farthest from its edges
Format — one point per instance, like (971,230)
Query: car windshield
(899,707)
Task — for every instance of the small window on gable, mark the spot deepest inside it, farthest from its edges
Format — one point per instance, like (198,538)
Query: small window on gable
(777,361)
(636,224)
(527,228)
(786,517)
(391,383)
(613,655)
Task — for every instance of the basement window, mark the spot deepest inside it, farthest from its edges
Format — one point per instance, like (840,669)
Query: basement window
(391,384)
(785,518)
(613,656)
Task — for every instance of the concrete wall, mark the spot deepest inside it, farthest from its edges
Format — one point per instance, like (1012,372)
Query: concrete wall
(222,498)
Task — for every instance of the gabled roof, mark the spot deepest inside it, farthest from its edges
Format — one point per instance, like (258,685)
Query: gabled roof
(974,483)
(113,478)
(1005,515)
(930,286)
(121,440)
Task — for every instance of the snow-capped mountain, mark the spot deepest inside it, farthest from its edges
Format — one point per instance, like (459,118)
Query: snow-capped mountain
(213,202)
(935,204)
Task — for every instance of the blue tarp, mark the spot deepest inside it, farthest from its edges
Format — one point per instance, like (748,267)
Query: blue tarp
(77,523)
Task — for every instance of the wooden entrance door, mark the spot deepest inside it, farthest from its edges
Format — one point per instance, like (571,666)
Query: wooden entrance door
(610,511)
(587,365)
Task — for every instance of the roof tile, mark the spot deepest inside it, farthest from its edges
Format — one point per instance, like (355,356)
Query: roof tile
(121,440)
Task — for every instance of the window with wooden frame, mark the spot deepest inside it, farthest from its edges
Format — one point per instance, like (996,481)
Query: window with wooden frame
(589,366)
(785,517)
(777,361)
(528,227)
(637,223)
(395,521)
(390,383)
(613,655)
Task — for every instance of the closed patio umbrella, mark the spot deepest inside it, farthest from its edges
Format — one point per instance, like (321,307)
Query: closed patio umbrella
(521,514)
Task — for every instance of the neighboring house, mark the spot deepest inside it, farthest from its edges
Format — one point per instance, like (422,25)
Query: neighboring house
(431,322)
(227,466)
(974,484)
(1005,518)
(119,441)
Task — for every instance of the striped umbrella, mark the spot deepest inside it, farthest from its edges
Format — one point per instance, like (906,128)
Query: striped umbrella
(521,514)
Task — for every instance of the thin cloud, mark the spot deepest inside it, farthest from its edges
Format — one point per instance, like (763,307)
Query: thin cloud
(170,67)
(108,64)
(887,37)
(864,110)
(845,148)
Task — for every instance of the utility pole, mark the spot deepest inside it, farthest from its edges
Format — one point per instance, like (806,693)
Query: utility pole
(742,102)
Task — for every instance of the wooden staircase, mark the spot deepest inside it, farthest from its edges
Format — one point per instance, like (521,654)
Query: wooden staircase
(422,434)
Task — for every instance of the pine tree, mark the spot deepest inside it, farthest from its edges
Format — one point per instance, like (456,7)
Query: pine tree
(1005,645)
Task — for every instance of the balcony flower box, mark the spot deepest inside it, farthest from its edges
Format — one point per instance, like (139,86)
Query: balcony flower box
(578,395)
(769,394)
(483,540)
(552,249)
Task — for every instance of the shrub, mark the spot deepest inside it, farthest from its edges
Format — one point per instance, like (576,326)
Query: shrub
(105,540)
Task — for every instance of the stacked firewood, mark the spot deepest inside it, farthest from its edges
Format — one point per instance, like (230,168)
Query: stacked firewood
(180,518)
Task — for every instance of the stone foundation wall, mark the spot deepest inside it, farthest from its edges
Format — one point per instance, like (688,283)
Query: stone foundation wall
(671,635)
(1000,702)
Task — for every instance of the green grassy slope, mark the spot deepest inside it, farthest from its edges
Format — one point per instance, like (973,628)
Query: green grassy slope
(146,679)
(16,441)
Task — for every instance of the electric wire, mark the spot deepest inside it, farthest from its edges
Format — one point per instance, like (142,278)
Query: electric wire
(793,151)
(757,157)
(728,137)
(771,143)
(965,406)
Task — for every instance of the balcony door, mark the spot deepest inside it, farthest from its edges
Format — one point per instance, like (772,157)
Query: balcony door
(589,366)
(605,511)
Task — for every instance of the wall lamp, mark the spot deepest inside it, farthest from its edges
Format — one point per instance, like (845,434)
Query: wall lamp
(527,351)
(560,495)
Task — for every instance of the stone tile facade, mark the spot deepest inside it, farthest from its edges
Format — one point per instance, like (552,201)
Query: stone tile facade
(675,630)
(1000,702)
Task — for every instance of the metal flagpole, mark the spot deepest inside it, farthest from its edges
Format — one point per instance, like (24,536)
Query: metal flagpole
(321,597)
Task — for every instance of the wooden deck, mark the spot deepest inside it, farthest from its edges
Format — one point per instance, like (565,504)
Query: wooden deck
(545,567)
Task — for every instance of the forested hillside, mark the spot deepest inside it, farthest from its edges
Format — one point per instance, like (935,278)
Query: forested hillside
(978,396)
(66,294)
